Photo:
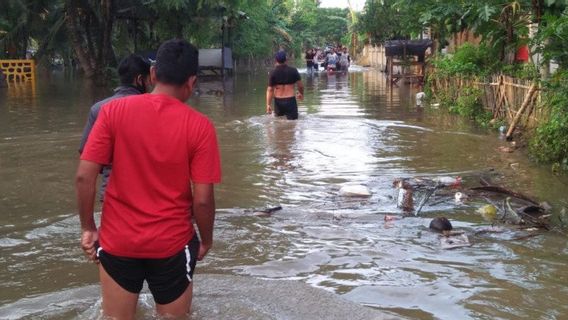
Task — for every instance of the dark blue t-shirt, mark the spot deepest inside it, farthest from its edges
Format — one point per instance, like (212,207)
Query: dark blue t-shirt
(283,74)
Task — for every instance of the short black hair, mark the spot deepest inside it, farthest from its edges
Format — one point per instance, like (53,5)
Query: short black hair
(176,61)
(132,66)
(280,56)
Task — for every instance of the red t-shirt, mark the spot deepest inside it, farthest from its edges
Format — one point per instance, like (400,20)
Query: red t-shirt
(157,145)
(522,54)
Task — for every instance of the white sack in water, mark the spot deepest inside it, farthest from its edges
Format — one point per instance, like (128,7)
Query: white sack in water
(355,191)
(419,97)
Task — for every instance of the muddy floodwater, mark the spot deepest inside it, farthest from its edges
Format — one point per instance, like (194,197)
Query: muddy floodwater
(353,130)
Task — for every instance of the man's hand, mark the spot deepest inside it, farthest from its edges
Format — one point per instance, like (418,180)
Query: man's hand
(204,214)
(86,181)
(203,249)
(88,238)
(268,109)
(300,96)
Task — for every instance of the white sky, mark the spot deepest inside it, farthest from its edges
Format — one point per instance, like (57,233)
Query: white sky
(357,4)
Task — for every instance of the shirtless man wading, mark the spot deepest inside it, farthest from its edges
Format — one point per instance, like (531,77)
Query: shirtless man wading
(281,87)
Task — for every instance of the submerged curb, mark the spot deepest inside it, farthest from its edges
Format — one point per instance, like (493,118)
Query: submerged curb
(237,297)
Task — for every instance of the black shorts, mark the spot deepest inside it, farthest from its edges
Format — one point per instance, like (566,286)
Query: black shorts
(167,278)
(286,107)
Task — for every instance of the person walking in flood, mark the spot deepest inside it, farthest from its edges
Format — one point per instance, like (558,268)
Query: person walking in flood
(282,84)
(344,60)
(3,80)
(331,60)
(134,75)
(310,55)
(165,161)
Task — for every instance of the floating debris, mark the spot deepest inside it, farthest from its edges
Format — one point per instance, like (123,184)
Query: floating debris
(488,212)
(490,229)
(355,191)
(419,97)
(404,198)
(460,197)
(497,189)
(391,218)
(441,225)
(528,213)
(511,215)
(506,149)
(265,212)
(448,181)
(453,242)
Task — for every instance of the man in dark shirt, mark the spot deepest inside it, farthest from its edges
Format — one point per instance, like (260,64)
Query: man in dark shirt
(281,87)
(310,54)
(134,74)
(2,80)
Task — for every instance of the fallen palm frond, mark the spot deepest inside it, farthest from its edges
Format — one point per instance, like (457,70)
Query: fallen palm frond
(283,33)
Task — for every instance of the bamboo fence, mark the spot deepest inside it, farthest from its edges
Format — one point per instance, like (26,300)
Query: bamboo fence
(516,101)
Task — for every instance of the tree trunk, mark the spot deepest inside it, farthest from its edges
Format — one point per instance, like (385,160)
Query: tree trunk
(538,8)
(107,23)
(76,40)
(91,36)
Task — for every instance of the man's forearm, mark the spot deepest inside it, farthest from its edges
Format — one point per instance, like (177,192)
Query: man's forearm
(86,190)
(86,184)
(300,87)
(205,219)
(269,95)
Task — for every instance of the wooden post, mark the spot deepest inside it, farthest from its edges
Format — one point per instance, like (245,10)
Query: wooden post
(389,61)
(528,99)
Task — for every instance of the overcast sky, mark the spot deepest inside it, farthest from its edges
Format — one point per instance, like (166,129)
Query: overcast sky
(357,4)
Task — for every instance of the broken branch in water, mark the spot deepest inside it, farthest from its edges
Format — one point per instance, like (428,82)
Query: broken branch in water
(502,190)
(265,212)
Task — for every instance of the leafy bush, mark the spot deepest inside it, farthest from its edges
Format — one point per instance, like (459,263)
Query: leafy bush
(468,60)
(526,71)
(468,104)
(550,141)
(551,38)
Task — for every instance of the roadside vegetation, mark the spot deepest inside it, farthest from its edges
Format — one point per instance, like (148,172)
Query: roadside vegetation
(501,28)
(93,34)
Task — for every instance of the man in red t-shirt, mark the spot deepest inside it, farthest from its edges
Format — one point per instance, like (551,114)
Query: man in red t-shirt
(165,161)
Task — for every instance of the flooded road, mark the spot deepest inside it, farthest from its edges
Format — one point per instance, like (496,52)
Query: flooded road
(353,129)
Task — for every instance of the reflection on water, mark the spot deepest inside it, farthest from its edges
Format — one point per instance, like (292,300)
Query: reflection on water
(353,129)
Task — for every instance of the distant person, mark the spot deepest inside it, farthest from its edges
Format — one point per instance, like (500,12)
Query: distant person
(338,52)
(165,161)
(281,87)
(332,60)
(323,58)
(134,75)
(317,54)
(310,60)
(3,80)
(344,60)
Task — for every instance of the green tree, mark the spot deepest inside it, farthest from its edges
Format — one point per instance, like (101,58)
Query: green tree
(95,33)
(303,19)
(331,25)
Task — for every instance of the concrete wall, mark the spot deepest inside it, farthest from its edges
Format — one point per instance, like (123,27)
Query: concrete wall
(373,56)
